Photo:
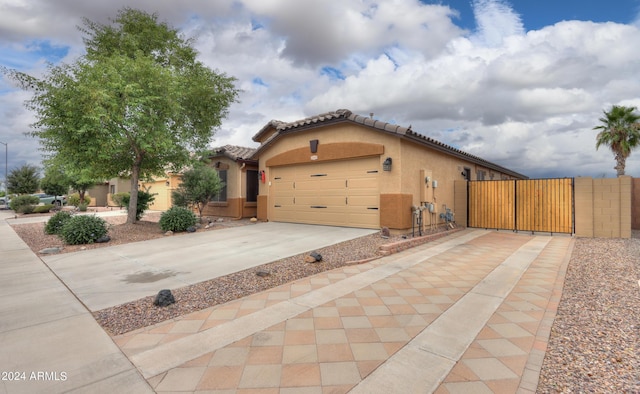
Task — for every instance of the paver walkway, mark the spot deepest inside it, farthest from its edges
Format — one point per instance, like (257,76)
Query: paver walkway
(467,313)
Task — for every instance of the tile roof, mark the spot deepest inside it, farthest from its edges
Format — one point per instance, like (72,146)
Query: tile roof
(345,115)
(234,152)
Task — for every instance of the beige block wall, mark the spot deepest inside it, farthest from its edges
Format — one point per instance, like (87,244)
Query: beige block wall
(603,207)
(635,203)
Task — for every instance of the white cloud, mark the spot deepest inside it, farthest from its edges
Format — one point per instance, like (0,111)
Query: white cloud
(496,21)
(527,100)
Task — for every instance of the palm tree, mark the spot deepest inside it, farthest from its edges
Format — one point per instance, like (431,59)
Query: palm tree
(620,131)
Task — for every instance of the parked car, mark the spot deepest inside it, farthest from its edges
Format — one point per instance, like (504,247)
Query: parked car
(49,199)
(4,202)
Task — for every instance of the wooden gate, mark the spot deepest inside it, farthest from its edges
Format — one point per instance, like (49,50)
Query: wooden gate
(537,205)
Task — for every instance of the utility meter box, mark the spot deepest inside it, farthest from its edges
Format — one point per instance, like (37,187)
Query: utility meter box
(435,184)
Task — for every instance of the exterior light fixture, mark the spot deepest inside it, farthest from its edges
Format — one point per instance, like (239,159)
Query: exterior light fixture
(313,146)
(386,165)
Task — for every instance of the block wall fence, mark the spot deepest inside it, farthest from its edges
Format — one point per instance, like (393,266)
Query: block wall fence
(604,207)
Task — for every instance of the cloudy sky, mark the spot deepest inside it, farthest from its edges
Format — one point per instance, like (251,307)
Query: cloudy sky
(517,82)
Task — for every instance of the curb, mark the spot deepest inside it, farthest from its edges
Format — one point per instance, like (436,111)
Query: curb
(399,246)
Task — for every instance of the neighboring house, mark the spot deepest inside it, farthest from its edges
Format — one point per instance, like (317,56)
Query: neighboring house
(98,194)
(238,198)
(162,187)
(117,185)
(343,169)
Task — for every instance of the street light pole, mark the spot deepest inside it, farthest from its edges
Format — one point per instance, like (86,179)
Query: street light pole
(6,166)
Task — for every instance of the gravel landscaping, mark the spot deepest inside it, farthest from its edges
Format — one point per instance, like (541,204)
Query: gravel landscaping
(595,339)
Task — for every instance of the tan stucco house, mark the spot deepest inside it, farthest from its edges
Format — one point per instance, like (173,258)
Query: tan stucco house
(344,169)
(239,172)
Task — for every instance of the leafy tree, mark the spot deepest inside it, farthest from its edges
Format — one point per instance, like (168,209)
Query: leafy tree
(620,131)
(199,185)
(54,182)
(136,103)
(23,180)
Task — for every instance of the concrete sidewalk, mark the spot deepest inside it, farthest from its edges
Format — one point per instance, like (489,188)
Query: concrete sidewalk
(49,342)
(111,276)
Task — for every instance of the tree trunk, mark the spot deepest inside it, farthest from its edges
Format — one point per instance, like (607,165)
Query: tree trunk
(620,164)
(133,194)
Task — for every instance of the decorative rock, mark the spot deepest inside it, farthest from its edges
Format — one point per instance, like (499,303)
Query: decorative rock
(253,220)
(220,220)
(313,257)
(262,274)
(169,233)
(103,239)
(191,229)
(208,226)
(384,232)
(164,298)
(50,250)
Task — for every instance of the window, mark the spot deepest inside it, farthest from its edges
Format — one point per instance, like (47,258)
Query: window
(112,189)
(222,196)
(252,185)
(481,175)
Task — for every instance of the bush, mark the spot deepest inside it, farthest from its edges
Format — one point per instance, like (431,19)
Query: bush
(42,208)
(83,229)
(74,199)
(144,200)
(55,223)
(118,198)
(24,203)
(177,219)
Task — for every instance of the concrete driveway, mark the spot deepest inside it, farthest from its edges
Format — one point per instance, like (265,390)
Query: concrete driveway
(106,277)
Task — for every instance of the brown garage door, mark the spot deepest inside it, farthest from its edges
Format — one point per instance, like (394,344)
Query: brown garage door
(341,193)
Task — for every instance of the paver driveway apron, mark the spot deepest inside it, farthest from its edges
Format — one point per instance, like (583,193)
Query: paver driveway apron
(106,277)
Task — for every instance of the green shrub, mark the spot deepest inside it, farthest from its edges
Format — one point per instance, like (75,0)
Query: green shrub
(177,219)
(144,200)
(19,202)
(74,199)
(42,208)
(26,209)
(55,223)
(118,198)
(83,229)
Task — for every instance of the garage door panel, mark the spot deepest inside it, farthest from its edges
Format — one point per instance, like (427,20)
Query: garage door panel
(344,193)
(364,201)
(328,201)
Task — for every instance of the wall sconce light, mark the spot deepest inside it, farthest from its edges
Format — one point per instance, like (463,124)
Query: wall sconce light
(167,183)
(386,165)
(313,145)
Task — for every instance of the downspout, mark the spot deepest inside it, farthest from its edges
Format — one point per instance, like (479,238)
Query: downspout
(240,191)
